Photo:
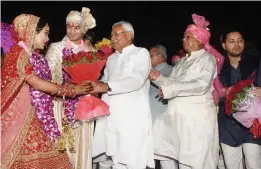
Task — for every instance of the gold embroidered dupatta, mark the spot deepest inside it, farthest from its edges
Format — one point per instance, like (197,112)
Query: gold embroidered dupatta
(13,76)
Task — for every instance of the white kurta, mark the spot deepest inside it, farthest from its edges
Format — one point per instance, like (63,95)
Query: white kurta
(188,130)
(125,135)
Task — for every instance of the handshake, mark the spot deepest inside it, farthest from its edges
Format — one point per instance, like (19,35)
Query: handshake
(91,87)
(95,87)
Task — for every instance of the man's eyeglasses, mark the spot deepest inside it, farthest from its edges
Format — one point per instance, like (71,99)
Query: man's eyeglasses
(117,34)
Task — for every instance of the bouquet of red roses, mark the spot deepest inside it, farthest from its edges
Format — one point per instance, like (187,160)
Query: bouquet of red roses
(87,66)
(246,108)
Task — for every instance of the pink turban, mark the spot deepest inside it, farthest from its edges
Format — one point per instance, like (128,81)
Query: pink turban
(201,32)
(199,29)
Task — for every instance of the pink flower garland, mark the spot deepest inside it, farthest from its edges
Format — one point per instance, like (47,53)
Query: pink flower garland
(43,102)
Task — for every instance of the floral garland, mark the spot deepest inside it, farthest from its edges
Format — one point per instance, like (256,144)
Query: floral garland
(43,102)
(70,103)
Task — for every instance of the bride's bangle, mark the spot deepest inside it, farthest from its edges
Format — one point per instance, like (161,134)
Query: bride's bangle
(65,90)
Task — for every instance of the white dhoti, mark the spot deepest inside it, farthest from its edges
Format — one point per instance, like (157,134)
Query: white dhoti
(189,133)
(81,157)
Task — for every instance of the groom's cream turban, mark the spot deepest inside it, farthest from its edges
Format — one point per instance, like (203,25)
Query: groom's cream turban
(84,19)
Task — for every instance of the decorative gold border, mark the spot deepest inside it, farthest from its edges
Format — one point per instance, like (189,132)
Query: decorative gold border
(14,150)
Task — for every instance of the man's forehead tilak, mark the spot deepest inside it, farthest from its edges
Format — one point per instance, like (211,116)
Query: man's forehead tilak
(74,24)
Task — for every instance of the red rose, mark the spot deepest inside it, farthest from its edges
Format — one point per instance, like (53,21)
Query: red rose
(99,56)
(256,129)
(79,57)
(89,57)
(81,54)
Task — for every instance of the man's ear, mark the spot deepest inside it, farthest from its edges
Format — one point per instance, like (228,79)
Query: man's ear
(224,46)
(129,36)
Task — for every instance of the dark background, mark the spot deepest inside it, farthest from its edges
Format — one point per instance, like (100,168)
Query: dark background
(153,22)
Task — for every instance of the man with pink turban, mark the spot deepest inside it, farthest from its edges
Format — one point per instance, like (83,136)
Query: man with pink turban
(188,132)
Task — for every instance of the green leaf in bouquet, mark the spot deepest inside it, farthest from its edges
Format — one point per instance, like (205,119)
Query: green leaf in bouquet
(246,89)
(240,95)
(235,101)
(94,57)
(234,107)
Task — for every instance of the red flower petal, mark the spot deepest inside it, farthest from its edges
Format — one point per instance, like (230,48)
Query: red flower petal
(256,129)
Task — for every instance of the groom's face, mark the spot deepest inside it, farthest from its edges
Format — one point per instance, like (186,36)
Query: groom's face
(74,31)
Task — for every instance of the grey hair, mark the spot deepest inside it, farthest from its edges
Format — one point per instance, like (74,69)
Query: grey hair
(161,50)
(126,26)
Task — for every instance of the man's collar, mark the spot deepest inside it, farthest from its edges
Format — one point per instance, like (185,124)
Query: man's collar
(194,54)
(127,49)
(73,44)
(159,66)
(197,52)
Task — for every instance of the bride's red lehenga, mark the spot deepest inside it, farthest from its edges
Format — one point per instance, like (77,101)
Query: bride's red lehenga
(24,144)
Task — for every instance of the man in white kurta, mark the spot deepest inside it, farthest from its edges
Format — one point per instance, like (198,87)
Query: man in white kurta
(188,130)
(125,136)
(77,24)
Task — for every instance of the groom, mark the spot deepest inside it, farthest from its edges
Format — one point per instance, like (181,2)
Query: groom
(77,24)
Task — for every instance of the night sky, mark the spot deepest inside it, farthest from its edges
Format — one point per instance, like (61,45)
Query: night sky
(153,22)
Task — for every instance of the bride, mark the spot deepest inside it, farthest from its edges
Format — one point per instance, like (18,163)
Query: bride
(27,121)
